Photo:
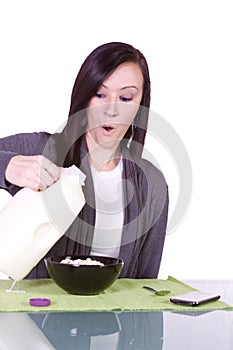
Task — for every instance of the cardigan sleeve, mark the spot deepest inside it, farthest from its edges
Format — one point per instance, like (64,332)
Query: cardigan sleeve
(19,144)
(150,255)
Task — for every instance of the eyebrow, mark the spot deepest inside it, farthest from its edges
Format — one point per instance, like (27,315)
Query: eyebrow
(129,87)
(124,87)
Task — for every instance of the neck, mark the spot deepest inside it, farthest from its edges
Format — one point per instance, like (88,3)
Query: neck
(103,159)
(104,165)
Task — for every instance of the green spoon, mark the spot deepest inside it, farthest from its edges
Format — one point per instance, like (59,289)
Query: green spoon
(161,292)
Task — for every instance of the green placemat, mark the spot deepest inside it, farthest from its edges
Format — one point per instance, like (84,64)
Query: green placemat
(123,295)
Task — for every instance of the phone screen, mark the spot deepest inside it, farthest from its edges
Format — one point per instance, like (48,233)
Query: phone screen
(194,298)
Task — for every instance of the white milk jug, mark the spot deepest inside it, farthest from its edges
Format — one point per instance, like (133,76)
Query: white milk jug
(32,222)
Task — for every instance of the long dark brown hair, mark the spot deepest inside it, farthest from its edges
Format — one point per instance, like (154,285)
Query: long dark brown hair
(100,63)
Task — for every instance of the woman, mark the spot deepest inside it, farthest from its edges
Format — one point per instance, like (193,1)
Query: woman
(126,208)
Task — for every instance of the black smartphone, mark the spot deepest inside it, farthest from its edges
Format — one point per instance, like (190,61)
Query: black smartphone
(194,298)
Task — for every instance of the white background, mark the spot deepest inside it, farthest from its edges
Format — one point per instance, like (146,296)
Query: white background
(188,45)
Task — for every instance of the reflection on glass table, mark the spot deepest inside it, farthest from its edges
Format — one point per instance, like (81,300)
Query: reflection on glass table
(84,330)
(18,332)
(103,330)
(121,331)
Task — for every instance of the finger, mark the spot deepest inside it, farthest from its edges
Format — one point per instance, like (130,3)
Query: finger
(46,179)
(41,186)
(34,183)
(54,171)
(51,168)
(45,162)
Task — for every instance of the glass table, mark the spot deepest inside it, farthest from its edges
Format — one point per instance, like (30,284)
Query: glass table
(167,330)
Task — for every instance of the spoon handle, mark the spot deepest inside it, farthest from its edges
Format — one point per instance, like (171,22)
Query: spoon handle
(151,289)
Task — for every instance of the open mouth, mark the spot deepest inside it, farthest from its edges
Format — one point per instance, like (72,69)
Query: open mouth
(107,128)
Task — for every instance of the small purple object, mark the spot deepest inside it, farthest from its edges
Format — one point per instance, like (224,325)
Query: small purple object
(39,302)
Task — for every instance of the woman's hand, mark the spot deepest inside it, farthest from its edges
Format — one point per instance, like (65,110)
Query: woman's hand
(35,172)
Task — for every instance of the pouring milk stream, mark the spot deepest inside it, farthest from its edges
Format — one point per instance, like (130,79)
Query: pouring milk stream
(32,222)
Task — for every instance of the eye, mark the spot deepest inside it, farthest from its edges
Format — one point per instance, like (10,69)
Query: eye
(125,99)
(99,95)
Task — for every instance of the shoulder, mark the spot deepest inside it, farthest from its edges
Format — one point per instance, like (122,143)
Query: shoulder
(152,173)
(154,189)
(152,184)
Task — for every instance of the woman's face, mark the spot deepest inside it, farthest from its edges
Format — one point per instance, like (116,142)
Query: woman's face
(112,110)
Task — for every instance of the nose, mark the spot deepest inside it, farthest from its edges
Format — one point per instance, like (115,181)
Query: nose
(111,109)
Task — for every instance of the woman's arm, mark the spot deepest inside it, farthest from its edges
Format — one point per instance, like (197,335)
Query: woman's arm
(35,172)
(22,163)
(151,251)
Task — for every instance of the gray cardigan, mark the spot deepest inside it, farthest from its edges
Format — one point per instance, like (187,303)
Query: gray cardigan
(145,209)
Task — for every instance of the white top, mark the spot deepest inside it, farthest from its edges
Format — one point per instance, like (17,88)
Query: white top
(109,211)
